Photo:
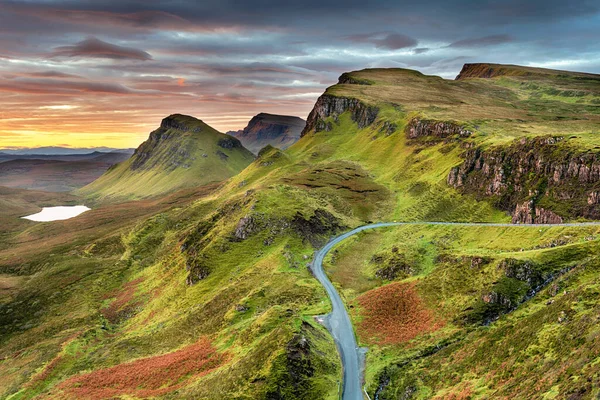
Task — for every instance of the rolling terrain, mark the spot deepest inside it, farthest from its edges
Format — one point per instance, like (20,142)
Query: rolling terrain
(56,173)
(213,285)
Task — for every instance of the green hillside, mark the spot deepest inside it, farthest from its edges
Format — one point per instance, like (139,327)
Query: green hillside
(213,288)
(183,152)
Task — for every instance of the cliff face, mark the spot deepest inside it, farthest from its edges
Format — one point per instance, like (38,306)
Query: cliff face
(332,106)
(419,128)
(279,131)
(540,180)
(486,71)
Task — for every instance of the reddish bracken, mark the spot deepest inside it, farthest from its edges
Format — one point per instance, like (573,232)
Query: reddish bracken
(123,302)
(147,377)
(394,314)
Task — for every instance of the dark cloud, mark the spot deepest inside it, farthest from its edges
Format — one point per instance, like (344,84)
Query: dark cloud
(96,48)
(54,86)
(225,60)
(482,41)
(384,40)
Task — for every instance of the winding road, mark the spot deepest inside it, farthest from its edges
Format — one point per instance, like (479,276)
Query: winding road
(338,321)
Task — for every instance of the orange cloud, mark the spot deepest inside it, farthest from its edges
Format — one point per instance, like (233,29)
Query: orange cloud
(181,82)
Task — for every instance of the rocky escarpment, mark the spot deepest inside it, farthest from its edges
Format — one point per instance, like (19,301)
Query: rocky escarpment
(432,129)
(528,213)
(347,79)
(539,180)
(333,106)
(487,71)
(280,131)
(177,121)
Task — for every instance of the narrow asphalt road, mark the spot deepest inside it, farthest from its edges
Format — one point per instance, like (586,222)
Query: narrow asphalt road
(338,321)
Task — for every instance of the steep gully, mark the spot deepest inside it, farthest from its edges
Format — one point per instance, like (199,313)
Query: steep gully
(338,321)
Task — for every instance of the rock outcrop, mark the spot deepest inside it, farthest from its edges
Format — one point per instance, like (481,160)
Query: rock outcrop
(332,106)
(347,79)
(528,213)
(487,71)
(280,131)
(419,128)
(541,179)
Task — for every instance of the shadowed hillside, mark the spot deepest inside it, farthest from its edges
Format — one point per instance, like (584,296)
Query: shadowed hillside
(280,131)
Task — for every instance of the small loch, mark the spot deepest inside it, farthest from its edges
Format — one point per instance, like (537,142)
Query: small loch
(57,213)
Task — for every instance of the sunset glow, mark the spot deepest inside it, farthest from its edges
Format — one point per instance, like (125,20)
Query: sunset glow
(105,73)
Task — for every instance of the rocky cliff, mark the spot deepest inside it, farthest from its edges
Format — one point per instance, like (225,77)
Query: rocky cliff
(486,71)
(541,180)
(421,128)
(332,106)
(264,129)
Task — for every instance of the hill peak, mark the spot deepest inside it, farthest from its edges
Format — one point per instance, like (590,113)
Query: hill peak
(185,123)
(486,70)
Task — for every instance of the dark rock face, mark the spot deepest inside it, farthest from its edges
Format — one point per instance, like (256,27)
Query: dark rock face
(418,128)
(245,227)
(280,131)
(528,213)
(348,79)
(316,228)
(171,122)
(332,106)
(229,143)
(541,180)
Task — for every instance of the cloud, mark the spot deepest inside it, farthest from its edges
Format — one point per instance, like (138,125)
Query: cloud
(491,40)
(96,48)
(384,40)
(421,50)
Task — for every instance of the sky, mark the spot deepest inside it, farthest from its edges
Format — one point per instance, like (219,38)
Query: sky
(104,73)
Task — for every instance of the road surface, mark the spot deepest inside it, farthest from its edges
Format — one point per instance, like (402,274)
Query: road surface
(338,321)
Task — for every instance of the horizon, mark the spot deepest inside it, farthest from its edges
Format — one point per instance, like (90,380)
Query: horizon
(101,73)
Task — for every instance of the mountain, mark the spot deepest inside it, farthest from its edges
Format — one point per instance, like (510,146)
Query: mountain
(182,152)
(280,131)
(209,293)
(57,150)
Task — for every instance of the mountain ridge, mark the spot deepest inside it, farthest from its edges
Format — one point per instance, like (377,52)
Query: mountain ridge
(280,131)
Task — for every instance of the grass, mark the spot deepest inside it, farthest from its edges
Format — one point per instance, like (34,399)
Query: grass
(465,268)
(92,296)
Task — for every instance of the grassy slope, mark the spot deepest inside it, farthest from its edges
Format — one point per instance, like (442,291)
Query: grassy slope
(519,355)
(123,291)
(183,159)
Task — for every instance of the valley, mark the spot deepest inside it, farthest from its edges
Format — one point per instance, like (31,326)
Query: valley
(479,283)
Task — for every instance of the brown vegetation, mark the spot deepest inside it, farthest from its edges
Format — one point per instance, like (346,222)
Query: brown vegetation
(394,314)
(153,376)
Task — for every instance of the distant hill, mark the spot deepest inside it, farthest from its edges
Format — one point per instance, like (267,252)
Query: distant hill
(264,129)
(57,150)
(55,173)
(182,152)
(113,157)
